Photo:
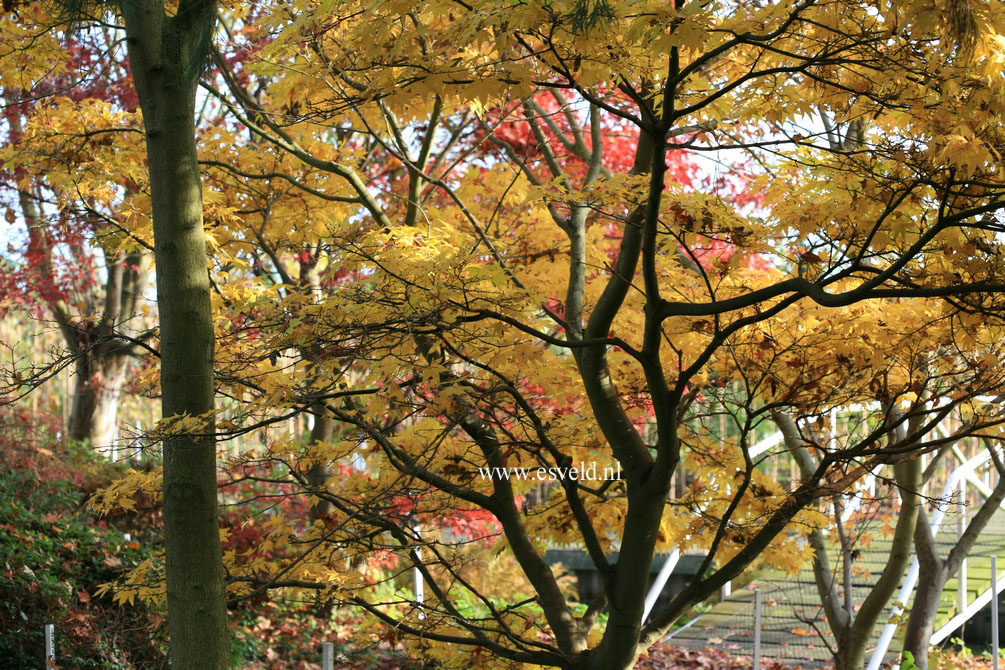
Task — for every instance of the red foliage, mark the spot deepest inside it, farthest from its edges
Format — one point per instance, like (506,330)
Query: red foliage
(513,126)
(467,523)
(27,441)
(55,262)
(243,522)
(54,555)
(290,638)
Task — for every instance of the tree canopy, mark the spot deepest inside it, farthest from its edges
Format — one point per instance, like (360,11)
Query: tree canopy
(477,240)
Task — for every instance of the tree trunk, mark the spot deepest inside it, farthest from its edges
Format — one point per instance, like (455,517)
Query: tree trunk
(619,648)
(102,354)
(854,641)
(852,629)
(851,650)
(93,417)
(166,55)
(923,613)
(324,424)
(322,431)
(937,571)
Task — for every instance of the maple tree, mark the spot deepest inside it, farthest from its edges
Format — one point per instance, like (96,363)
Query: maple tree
(94,304)
(470,238)
(539,308)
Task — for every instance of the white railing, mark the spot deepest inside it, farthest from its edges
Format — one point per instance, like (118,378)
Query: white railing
(965,472)
(961,474)
(663,576)
(761,447)
(660,582)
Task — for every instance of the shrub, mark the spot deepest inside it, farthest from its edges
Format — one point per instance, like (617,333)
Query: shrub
(53,556)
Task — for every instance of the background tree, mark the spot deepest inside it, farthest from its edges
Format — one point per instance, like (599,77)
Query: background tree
(919,347)
(852,623)
(92,293)
(940,569)
(59,270)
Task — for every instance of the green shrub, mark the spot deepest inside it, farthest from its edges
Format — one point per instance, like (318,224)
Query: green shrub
(53,556)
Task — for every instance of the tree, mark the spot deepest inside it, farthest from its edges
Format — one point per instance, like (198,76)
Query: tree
(938,569)
(167,49)
(58,271)
(852,625)
(512,313)
(490,303)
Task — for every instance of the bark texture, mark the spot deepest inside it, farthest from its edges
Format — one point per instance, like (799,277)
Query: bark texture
(97,387)
(167,55)
(323,429)
(102,356)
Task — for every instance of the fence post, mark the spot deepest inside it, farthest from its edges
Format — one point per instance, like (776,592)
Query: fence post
(327,656)
(757,630)
(961,523)
(50,647)
(419,584)
(994,612)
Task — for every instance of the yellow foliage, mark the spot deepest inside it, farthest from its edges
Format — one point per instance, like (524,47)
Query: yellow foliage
(445,243)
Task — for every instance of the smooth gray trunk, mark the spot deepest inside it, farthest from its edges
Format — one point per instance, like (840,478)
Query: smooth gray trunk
(322,431)
(324,424)
(852,628)
(937,570)
(853,640)
(103,356)
(923,612)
